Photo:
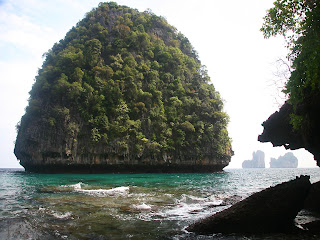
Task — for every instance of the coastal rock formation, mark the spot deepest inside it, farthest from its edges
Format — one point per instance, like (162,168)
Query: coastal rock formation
(286,161)
(296,124)
(278,128)
(313,199)
(256,162)
(123,92)
(271,210)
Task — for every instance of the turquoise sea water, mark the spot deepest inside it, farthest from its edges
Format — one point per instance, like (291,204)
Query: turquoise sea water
(126,206)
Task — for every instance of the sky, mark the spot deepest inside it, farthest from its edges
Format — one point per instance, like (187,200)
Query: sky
(243,66)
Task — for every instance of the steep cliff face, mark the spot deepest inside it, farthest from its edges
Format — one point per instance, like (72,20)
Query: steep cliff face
(278,128)
(123,92)
(296,125)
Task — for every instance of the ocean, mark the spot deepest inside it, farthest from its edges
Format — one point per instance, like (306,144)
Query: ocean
(129,206)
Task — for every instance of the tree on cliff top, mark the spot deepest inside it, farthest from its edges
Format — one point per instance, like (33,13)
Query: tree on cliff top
(299,23)
(127,81)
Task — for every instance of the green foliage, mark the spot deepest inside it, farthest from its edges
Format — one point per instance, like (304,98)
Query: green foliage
(128,80)
(187,126)
(285,18)
(296,121)
(299,22)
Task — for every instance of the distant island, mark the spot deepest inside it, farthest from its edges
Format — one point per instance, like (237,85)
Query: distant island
(286,161)
(124,91)
(256,162)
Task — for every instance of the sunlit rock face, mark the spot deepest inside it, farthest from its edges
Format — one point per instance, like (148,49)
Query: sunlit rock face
(123,92)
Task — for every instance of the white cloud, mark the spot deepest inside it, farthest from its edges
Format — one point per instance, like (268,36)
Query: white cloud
(20,32)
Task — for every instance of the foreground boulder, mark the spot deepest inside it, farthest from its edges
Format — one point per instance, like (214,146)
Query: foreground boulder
(271,210)
(312,202)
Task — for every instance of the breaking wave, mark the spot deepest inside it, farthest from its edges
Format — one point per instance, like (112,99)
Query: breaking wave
(86,189)
(153,205)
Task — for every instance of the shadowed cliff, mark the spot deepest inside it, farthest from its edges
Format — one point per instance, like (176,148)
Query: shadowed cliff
(296,124)
(279,130)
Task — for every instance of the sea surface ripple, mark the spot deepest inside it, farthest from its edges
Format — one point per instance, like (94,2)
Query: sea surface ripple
(127,206)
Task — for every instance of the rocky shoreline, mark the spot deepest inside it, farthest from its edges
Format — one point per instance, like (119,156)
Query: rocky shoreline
(278,209)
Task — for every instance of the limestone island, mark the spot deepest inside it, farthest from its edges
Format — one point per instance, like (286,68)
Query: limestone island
(256,162)
(124,91)
(286,161)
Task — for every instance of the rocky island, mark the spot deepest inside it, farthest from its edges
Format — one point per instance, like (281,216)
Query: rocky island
(286,161)
(124,91)
(256,162)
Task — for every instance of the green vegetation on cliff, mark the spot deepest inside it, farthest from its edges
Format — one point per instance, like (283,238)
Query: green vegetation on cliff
(296,124)
(299,23)
(123,84)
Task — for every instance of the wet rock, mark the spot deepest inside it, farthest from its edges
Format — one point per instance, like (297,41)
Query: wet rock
(231,200)
(313,226)
(271,210)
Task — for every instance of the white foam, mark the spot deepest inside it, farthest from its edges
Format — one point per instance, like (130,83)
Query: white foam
(65,215)
(76,186)
(142,207)
(190,207)
(190,199)
(61,215)
(106,192)
(213,201)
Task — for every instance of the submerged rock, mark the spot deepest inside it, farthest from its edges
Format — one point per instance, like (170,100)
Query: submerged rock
(271,210)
